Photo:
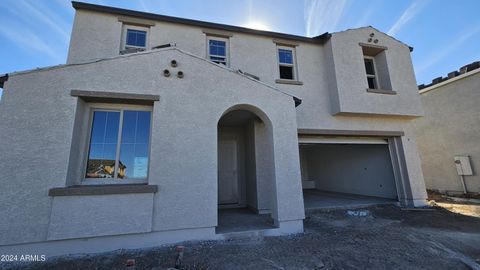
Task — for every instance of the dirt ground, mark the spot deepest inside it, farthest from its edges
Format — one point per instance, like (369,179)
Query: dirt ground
(382,237)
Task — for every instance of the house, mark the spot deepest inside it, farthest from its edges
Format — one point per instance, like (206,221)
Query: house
(161,129)
(449,134)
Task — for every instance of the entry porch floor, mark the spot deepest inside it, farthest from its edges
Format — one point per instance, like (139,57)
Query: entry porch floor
(242,219)
(318,199)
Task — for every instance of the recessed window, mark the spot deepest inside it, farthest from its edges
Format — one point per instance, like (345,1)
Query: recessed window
(218,50)
(286,63)
(119,144)
(371,72)
(134,37)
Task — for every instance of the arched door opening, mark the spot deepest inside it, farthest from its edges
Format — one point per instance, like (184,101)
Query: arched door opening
(245,172)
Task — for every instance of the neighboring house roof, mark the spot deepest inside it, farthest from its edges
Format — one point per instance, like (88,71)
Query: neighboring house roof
(151,16)
(465,71)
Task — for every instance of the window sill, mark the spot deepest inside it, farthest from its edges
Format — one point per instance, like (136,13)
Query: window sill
(131,50)
(283,81)
(381,91)
(102,190)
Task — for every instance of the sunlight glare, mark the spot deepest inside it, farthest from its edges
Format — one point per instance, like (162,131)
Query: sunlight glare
(257,25)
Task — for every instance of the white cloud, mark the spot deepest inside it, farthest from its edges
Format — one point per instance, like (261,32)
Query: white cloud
(407,15)
(41,16)
(322,15)
(367,15)
(447,50)
(29,40)
(143,5)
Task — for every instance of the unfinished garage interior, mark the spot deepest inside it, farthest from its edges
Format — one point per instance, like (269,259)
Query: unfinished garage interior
(347,171)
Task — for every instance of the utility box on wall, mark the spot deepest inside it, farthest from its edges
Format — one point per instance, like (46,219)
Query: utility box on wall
(462,163)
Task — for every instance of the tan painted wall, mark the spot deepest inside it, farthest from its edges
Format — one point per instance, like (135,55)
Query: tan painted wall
(451,126)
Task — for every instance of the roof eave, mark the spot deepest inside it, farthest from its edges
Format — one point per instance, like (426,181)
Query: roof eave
(145,15)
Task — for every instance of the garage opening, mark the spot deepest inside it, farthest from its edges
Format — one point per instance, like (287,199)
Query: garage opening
(245,172)
(346,172)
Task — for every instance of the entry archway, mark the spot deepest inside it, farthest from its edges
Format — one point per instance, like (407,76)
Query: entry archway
(246,171)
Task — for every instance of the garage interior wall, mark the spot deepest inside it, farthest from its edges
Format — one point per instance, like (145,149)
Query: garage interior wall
(362,169)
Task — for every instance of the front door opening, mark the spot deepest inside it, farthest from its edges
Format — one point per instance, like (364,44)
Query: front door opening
(244,202)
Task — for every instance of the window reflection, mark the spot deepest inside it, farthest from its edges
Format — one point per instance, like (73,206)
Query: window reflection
(132,161)
(134,146)
(103,145)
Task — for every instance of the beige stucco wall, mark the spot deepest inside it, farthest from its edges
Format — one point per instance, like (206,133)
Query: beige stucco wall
(335,69)
(451,127)
(185,120)
(37,118)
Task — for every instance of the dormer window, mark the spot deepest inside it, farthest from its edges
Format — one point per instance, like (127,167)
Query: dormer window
(134,37)
(218,50)
(371,72)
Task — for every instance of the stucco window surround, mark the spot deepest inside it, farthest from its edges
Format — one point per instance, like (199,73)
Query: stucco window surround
(135,25)
(89,102)
(376,69)
(219,41)
(119,171)
(287,68)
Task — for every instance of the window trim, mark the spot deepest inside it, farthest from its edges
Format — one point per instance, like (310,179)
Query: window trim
(293,65)
(227,48)
(91,108)
(375,76)
(125,28)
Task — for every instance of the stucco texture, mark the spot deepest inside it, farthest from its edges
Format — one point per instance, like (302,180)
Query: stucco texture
(37,133)
(450,127)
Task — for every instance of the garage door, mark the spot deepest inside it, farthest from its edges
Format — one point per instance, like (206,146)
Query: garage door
(360,166)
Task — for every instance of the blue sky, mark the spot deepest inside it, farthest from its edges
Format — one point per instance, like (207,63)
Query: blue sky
(444,33)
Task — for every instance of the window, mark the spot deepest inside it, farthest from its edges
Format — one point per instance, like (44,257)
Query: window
(286,63)
(118,149)
(218,50)
(371,72)
(134,37)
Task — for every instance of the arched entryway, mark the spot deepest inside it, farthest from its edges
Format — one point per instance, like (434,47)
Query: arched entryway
(246,172)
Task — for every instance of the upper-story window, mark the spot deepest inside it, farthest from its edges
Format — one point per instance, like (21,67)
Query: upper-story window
(119,142)
(377,72)
(371,72)
(286,63)
(218,50)
(134,37)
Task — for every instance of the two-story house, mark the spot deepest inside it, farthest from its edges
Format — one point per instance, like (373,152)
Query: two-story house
(161,129)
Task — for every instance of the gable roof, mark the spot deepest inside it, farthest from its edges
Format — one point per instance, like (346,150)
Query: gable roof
(297,101)
(157,17)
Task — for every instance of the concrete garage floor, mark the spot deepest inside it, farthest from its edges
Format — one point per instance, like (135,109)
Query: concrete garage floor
(242,219)
(386,238)
(317,199)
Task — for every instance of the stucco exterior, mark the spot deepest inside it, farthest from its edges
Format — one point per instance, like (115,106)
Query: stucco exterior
(43,128)
(450,128)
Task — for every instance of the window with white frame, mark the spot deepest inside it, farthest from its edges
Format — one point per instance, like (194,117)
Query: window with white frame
(119,143)
(371,72)
(134,37)
(286,63)
(218,50)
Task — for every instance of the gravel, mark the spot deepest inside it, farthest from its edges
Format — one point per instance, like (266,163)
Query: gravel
(382,237)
